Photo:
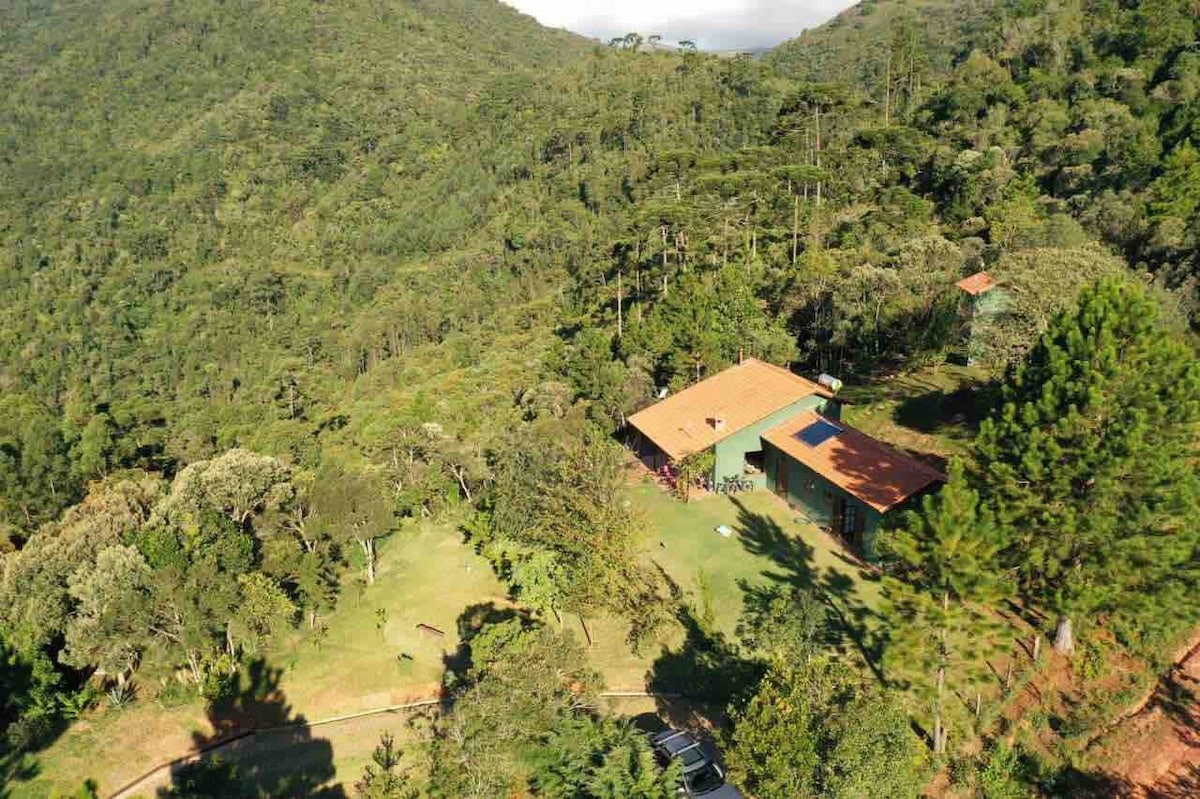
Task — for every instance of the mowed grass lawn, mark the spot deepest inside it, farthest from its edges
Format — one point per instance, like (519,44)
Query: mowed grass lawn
(426,576)
(770,544)
(373,655)
(932,413)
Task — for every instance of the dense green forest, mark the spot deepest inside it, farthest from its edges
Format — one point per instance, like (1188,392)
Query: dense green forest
(275,277)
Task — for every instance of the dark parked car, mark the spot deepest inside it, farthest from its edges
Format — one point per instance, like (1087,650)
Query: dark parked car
(701,775)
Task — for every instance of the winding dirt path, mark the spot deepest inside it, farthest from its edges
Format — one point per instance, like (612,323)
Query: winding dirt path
(277,744)
(281,747)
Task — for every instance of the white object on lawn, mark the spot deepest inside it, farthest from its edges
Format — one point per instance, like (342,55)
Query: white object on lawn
(725,530)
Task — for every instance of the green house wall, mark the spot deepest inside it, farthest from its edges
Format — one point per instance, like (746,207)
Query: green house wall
(991,302)
(813,496)
(731,452)
(980,310)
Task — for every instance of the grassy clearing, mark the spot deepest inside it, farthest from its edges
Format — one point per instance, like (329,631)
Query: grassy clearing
(770,543)
(373,653)
(426,576)
(932,414)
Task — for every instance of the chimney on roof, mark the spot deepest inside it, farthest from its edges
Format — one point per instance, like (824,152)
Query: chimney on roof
(718,423)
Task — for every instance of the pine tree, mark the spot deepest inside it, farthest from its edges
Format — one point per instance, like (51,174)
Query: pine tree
(819,729)
(947,552)
(384,780)
(777,735)
(1089,461)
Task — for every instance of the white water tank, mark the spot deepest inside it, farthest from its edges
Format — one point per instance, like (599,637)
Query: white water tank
(830,382)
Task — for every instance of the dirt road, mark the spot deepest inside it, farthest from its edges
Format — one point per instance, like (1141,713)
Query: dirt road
(270,754)
(273,753)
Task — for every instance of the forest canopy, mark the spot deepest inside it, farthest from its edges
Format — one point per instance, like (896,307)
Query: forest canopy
(277,279)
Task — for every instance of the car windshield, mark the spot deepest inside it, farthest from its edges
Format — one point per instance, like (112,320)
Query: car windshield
(704,780)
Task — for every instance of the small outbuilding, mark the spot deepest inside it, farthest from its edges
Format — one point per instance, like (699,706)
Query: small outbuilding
(773,429)
(982,299)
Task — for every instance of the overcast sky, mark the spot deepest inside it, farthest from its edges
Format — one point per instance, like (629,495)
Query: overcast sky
(711,24)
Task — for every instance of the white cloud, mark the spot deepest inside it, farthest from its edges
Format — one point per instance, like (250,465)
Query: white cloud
(712,24)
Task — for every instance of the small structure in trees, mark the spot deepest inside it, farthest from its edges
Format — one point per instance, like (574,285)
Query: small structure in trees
(983,299)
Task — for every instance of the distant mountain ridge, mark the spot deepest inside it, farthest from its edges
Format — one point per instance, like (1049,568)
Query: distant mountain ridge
(851,48)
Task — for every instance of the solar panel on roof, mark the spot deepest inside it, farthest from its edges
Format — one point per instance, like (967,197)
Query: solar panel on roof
(817,433)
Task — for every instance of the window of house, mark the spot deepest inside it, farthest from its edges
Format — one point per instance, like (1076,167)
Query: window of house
(756,462)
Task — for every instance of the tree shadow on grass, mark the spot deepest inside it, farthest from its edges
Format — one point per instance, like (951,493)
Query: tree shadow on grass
(694,683)
(471,621)
(16,766)
(23,731)
(258,747)
(761,535)
(939,411)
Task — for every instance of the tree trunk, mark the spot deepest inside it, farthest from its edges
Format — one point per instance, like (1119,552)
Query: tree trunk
(939,730)
(620,315)
(229,640)
(194,665)
(795,226)
(462,483)
(368,548)
(724,242)
(817,154)
(887,94)
(1064,638)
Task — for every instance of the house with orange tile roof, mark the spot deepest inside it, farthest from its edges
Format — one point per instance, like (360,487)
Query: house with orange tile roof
(775,430)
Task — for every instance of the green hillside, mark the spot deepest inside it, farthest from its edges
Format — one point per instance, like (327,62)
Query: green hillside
(279,279)
(854,47)
(217,217)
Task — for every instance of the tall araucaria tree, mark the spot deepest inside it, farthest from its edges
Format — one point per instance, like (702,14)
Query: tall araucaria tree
(1090,461)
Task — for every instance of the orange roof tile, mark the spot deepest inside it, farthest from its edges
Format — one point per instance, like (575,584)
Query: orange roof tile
(864,467)
(683,424)
(977,283)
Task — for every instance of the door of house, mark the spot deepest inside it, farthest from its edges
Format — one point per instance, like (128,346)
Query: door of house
(848,522)
(850,518)
(781,476)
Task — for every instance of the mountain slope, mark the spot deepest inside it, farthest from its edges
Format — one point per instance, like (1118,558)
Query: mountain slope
(217,218)
(852,48)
